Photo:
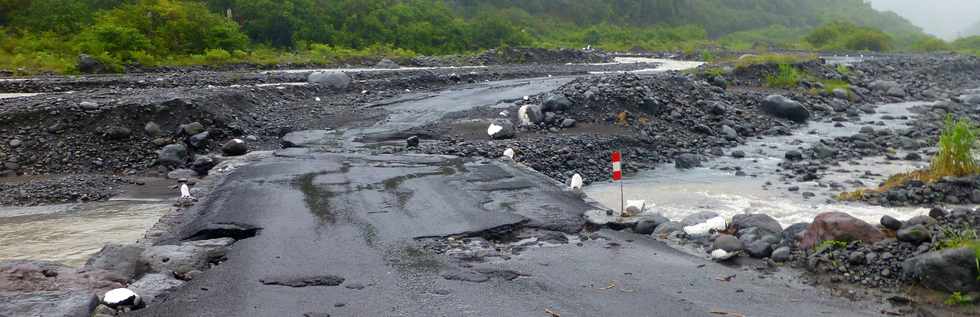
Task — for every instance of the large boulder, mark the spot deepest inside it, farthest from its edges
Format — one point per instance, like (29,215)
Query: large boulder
(917,234)
(337,80)
(699,218)
(839,226)
(501,129)
(728,243)
(762,222)
(184,258)
(200,140)
(556,102)
(782,107)
(884,86)
(150,286)
(891,223)
(530,115)
(387,64)
(687,161)
(174,155)
(950,270)
(90,65)
(972,100)
(234,147)
(121,259)
(61,304)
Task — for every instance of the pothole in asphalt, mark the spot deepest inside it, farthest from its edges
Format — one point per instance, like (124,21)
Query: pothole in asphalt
(225,230)
(305,281)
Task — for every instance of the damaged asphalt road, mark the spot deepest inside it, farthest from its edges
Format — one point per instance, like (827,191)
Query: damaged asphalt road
(349,235)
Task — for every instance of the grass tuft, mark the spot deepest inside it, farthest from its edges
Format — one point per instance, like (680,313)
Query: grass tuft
(787,77)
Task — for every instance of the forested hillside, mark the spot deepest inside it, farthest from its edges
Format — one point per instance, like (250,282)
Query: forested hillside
(49,34)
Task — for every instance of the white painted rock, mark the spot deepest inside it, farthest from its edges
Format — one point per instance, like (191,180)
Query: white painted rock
(121,298)
(577,182)
(509,153)
(722,255)
(705,228)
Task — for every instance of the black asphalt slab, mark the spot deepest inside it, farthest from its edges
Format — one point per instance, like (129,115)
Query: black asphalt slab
(342,235)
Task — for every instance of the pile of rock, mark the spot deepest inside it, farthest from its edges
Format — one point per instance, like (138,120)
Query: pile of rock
(64,189)
(836,244)
(32,288)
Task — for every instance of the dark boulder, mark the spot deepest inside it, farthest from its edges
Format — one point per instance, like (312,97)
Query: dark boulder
(556,102)
(782,107)
(687,161)
(891,223)
(839,226)
(950,270)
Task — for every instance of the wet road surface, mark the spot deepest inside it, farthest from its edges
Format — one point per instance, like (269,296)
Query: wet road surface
(360,221)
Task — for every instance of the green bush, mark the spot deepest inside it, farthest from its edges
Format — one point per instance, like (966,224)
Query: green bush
(787,77)
(931,44)
(955,156)
(217,56)
(847,36)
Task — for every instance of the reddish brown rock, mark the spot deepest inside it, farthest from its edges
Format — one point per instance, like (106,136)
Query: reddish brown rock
(35,276)
(840,227)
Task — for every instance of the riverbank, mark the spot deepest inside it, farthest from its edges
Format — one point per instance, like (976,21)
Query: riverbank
(563,124)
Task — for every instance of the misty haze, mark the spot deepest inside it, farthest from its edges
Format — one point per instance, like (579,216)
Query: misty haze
(172,158)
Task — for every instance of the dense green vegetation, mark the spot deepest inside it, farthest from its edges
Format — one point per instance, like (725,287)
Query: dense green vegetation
(48,35)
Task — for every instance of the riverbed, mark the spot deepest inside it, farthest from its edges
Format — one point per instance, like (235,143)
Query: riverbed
(715,187)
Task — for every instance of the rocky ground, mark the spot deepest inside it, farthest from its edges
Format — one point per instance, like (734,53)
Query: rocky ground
(63,147)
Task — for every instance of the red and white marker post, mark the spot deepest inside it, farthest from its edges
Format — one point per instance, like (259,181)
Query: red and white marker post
(617,176)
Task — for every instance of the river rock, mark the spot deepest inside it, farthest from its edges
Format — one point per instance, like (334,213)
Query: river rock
(841,93)
(668,228)
(150,286)
(501,129)
(729,133)
(568,123)
(761,221)
(923,220)
(22,276)
(782,107)
(387,64)
(336,80)
(556,102)
(794,233)
(822,151)
(728,243)
(200,140)
(90,65)
(972,99)
(412,142)
(950,270)
(883,86)
(152,129)
(915,234)
(794,155)
(190,129)
(234,147)
(759,249)
(116,133)
(530,115)
(699,218)
(891,223)
(122,259)
(650,223)
(687,161)
(57,303)
(839,226)
(781,254)
(202,165)
(180,259)
(174,155)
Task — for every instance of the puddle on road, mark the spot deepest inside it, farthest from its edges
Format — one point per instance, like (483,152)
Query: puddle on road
(678,193)
(70,234)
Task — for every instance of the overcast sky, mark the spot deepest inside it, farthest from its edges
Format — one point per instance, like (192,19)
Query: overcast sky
(944,18)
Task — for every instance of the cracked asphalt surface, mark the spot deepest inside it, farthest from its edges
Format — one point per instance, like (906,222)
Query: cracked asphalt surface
(366,220)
